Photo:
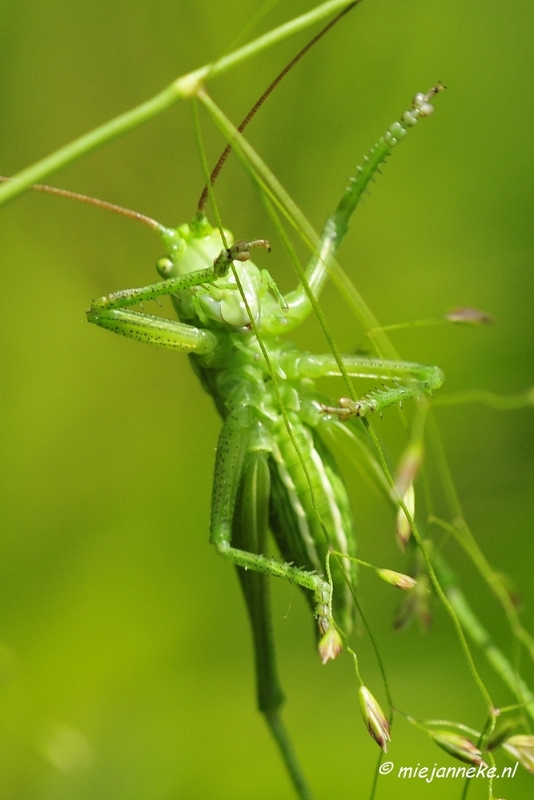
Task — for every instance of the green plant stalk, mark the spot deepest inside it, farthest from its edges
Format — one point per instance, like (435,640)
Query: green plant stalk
(269,184)
(463,535)
(433,576)
(479,635)
(182,88)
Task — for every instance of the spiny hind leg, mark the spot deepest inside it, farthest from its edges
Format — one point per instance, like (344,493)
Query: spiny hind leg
(232,451)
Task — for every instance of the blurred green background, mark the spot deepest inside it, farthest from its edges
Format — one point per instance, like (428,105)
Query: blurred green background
(125,659)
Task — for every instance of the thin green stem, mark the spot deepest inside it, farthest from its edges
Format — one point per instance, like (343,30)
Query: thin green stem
(465,789)
(205,170)
(273,37)
(184,87)
(507,402)
(435,582)
(264,178)
(424,725)
(254,327)
(480,636)
(376,774)
(356,663)
(463,535)
(417,323)
(280,735)
(367,628)
(353,558)
(111,130)
(310,295)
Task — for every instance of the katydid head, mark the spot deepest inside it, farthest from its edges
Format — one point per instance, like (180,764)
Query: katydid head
(190,248)
(198,246)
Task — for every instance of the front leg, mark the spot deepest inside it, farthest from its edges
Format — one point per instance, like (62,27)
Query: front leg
(162,332)
(112,311)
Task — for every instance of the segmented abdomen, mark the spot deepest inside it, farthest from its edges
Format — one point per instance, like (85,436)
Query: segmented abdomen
(297,526)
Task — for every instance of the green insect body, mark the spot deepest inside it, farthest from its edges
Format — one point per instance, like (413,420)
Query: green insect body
(236,374)
(274,470)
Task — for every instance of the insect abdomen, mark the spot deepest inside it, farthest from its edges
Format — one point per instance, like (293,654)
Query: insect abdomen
(302,527)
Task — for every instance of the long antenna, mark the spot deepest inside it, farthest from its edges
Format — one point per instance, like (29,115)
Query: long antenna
(152,223)
(220,163)
(94,201)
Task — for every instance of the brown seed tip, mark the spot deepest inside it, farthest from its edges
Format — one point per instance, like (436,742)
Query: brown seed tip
(397,579)
(469,316)
(459,747)
(374,718)
(330,645)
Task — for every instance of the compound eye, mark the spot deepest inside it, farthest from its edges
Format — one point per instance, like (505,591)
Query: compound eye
(164,267)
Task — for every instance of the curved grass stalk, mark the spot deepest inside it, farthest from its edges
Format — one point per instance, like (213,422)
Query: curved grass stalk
(433,576)
(272,717)
(182,88)
(480,636)
(464,536)
(304,276)
(269,185)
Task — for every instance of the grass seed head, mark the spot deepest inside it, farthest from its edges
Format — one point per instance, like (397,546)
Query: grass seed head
(522,749)
(330,645)
(397,579)
(459,747)
(374,718)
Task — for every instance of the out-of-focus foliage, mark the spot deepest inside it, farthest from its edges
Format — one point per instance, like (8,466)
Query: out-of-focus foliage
(125,661)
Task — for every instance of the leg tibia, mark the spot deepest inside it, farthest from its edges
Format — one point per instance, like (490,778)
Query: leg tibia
(229,471)
(410,380)
(270,566)
(337,223)
(132,297)
(378,399)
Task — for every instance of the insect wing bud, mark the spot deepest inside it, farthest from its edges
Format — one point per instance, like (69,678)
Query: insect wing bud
(374,718)
(397,579)
(330,645)
(522,749)
(459,747)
